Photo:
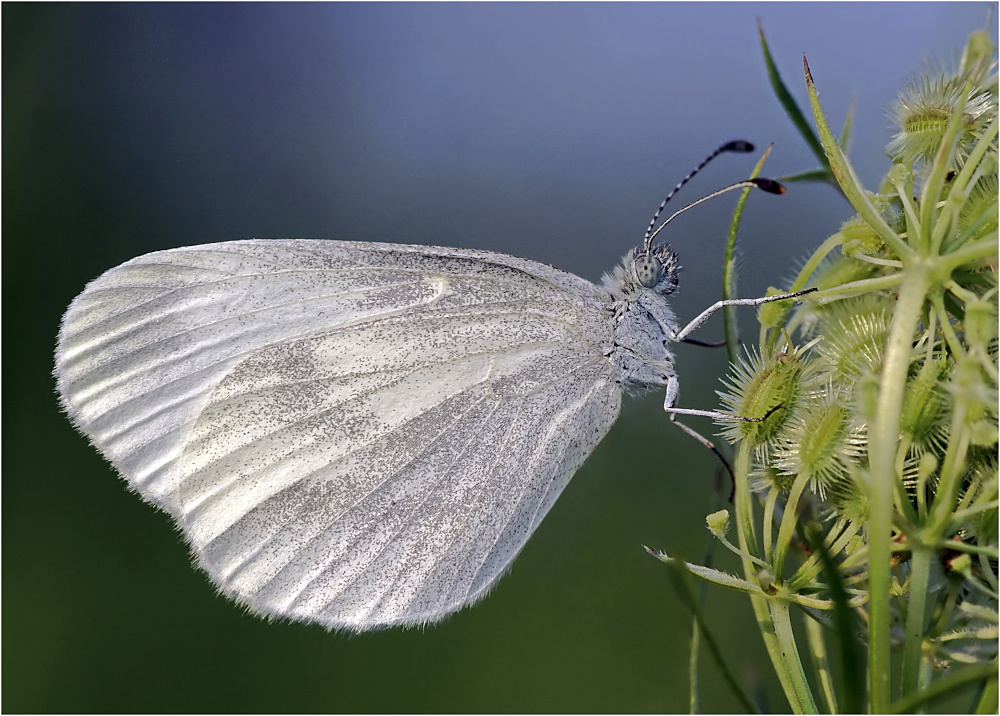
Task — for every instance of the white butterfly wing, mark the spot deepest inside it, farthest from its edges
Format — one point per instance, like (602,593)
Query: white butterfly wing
(352,434)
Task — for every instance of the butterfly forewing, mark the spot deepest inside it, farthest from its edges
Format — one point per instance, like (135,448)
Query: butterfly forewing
(353,434)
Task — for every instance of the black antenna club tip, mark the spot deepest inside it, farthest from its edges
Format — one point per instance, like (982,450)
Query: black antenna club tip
(769,185)
(737,145)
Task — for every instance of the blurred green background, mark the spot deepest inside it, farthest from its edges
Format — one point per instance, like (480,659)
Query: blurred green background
(547,131)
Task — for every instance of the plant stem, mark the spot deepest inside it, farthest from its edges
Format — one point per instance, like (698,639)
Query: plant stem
(789,520)
(800,696)
(693,667)
(920,567)
(884,438)
(780,647)
(987,703)
(951,682)
(818,645)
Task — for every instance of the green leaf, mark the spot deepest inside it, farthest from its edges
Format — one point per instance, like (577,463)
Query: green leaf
(848,180)
(845,133)
(790,105)
(823,176)
(710,575)
(729,318)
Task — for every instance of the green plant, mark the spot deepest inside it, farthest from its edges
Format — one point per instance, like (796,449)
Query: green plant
(868,500)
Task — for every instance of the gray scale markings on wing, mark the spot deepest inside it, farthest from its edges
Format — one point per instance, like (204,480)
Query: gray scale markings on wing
(354,434)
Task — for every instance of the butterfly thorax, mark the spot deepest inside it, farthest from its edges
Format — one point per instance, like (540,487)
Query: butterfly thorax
(642,321)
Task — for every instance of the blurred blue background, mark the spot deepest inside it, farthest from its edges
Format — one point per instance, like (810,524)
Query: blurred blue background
(550,131)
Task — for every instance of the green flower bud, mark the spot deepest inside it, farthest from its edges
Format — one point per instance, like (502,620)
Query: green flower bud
(718,523)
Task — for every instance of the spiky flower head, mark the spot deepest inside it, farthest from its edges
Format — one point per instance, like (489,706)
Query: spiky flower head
(766,386)
(922,112)
(927,406)
(822,439)
(854,332)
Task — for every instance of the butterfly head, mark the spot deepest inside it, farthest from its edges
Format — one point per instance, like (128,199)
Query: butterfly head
(656,269)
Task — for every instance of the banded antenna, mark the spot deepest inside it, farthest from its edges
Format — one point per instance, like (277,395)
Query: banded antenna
(737,145)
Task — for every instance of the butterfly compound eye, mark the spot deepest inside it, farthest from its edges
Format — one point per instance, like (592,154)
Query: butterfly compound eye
(648,270)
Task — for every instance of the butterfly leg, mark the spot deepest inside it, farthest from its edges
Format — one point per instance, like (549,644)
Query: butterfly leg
(711,446)
(673,388)
(704,344)
(704,315)
(670,400)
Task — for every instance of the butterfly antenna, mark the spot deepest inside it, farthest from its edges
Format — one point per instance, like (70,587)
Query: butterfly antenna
(769,185)
(737,145)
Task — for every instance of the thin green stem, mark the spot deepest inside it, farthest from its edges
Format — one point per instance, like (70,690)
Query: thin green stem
(902,502)
(987,702)
(988,216)
(811,566)
(800,696)
(855,288)
(947,330)
(693,667)
(768,523)
(743,505)
(930,243)
(920,567)
(945,608)
(883,440)
(954,461)
(679,576)
(924,681)
(740,553)
(789,519)
(959,546)
(909,211)
(974,161)
(948,684)
(959,516)
(981,248)
(817,645)
(987,569)
(814,261)
(875,261)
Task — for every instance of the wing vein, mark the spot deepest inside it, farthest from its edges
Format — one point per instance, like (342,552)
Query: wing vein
(536,456)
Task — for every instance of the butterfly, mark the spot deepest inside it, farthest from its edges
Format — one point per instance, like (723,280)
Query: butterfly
(357,434)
